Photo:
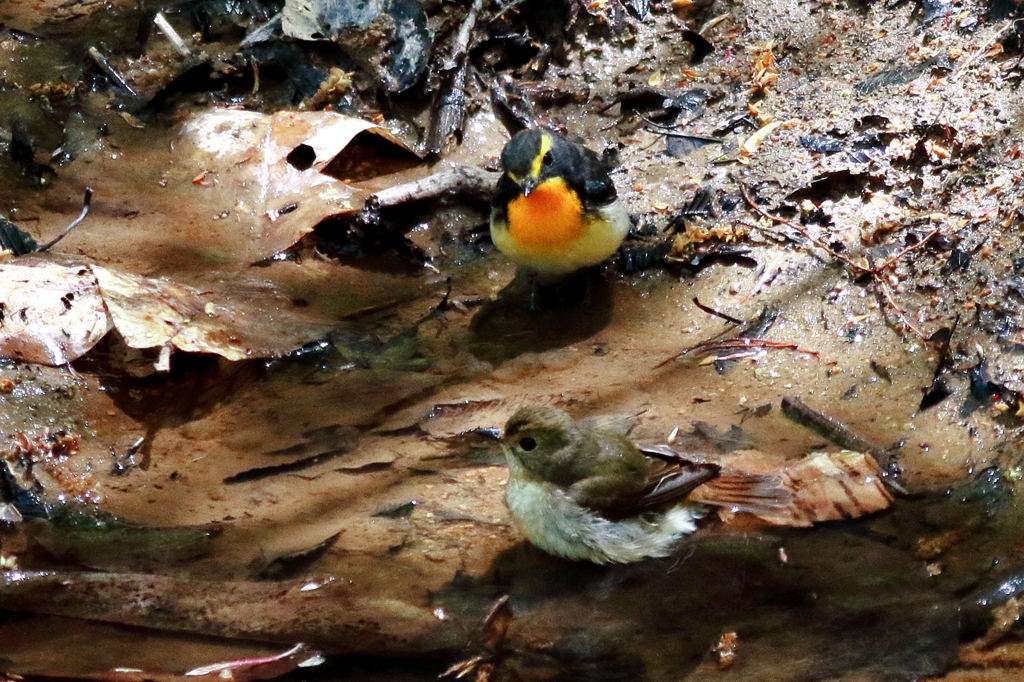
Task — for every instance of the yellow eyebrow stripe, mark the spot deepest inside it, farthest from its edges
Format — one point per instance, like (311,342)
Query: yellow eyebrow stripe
(545,147)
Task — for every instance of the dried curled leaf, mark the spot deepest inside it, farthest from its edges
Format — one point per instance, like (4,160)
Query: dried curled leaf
(825,486)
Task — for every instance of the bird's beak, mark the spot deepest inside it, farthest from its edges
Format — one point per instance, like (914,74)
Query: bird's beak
(528,185)
(494,433)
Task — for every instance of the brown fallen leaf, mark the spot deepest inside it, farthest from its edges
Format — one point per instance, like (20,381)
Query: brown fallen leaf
(824,486)
(236,323)
(272,178)
(49,313)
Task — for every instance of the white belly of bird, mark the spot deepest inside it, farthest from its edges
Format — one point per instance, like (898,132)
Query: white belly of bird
(549,518)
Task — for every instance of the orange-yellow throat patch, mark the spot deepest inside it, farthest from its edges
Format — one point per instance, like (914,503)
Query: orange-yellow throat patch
(547,220)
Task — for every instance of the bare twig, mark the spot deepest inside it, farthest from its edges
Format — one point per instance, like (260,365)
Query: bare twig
(74,223)
(899,311)
(807,235)
(840,434)
(736,344)
(113,75)
(461,45)
(913,247)
(165,27)
(717,313)
(962,69)
(469,180)
(874,272)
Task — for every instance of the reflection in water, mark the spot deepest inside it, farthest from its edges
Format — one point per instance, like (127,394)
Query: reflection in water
(852,597)
(571,310)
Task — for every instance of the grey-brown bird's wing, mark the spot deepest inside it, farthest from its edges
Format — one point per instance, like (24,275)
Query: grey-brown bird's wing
(670,482)
(736,490)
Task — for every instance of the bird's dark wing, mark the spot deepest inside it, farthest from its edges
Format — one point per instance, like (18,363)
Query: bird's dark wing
(592,180)
(736,490)
(669,482)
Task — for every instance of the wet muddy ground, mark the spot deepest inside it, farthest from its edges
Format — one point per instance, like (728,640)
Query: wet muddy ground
(297,456)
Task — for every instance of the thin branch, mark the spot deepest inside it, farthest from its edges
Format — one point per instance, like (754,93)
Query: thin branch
(712,311)
(814,240)
(74,223)
(469,180)
(736,344)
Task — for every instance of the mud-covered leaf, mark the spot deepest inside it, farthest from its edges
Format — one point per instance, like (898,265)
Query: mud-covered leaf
(273,172)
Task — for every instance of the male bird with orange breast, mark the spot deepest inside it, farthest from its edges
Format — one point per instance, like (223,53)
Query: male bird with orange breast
(555,210)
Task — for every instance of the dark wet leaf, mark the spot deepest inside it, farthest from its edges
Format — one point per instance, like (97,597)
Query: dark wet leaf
(936,9)
(881,370)
(990,490)
(14,239)
(822,144)
(512,106)
(638,255)
(702,47)
(389,38)
(679,145)
(296,563)
(400,511)
(900,75)
(981,387)
(935,394)
(83,540)
(259,473)
(958,260)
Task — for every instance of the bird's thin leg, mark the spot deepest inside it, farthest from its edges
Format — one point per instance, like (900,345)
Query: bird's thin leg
(533,305)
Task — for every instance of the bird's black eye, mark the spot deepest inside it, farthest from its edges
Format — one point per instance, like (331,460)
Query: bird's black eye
(547,160)
(527,444)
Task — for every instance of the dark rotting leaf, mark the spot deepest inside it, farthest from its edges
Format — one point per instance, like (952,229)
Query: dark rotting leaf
(678,145)
(512,107)
(702,47)
(259,473)
(735,123)
(636,256)
(900,75)
(958,260)
(942,242)
(935,394)
(291,565)
(14,239)
(990,487)
(400,511)
(881,370)
(23,157)
(643,99)
(935,9)
(699,206)
(369,468)
(822,144)
(981,387)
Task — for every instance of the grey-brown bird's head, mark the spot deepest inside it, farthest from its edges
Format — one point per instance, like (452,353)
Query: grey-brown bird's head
(536,436)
